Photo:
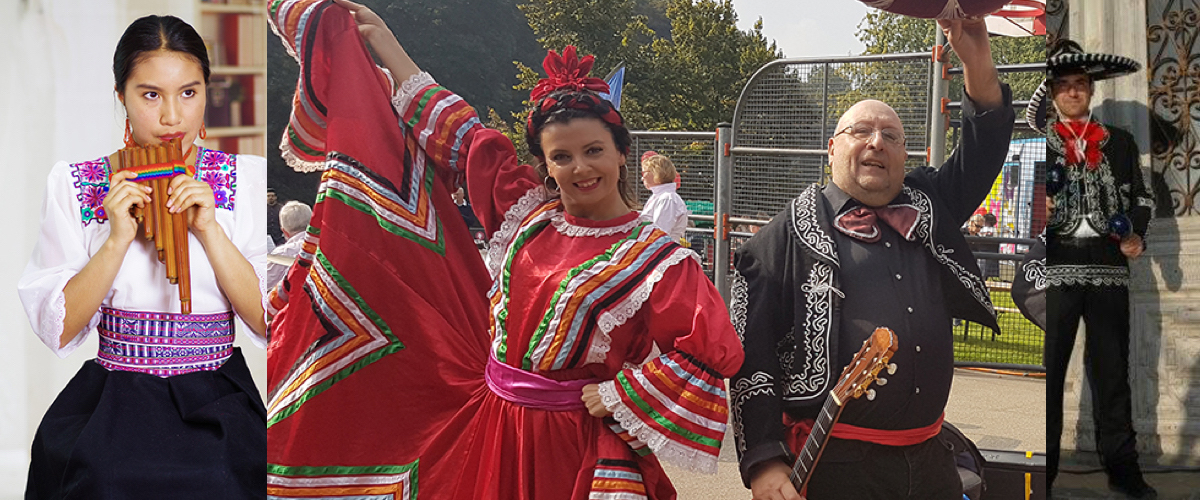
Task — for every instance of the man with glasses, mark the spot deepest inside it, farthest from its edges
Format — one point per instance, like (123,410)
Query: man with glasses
(875,247)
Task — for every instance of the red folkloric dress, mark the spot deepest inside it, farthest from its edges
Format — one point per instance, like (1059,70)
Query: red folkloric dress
(398,360)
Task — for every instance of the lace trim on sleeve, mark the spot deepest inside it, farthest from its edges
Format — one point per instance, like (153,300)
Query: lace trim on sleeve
(667,450)
(502,238)
(409,89)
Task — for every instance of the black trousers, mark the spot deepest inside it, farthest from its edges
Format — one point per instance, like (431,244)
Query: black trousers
(1105,312)
(868,471)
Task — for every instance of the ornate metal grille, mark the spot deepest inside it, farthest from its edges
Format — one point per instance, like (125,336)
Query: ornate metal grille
(1174,74)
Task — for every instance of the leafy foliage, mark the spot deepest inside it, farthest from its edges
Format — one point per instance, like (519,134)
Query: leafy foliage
(687,79)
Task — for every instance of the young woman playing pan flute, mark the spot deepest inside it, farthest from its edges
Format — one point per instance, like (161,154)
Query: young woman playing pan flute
(168,408)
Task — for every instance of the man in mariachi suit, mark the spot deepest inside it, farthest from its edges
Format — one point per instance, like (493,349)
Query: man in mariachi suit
(1101,210)
(816,281)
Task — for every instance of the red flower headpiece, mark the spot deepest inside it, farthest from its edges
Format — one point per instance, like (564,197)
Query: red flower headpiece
(568,72)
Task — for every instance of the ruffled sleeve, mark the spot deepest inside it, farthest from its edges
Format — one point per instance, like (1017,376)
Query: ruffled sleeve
(60,253)
(250,222)
(675,404)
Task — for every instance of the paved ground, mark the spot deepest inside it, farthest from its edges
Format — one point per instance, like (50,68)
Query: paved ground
(999,412)
(1081,478)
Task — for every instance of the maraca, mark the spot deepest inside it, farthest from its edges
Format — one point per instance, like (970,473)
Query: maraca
(1119,227)
(1056,179)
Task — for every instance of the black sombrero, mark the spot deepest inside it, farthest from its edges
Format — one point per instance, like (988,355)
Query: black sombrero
(1068,57)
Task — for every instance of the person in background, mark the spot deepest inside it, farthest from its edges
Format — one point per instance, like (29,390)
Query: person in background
(664,207)
(1087,260)
(464,208)
(293,220)
(273,218)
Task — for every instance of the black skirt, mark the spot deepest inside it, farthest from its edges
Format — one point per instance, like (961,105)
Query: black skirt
(127,435)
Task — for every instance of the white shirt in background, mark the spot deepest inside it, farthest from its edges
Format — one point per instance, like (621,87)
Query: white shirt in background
(667,210)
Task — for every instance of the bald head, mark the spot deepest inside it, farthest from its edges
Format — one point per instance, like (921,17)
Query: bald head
(868,107)
(865,164)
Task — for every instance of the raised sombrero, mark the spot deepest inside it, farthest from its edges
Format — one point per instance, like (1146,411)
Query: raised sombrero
(1067,57)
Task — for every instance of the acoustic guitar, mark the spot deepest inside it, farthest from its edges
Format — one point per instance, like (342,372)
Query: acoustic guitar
(855,381)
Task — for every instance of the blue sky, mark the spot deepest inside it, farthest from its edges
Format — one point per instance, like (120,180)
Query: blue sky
(806,28)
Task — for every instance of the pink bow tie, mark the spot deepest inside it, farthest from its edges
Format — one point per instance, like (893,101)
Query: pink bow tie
(861,223)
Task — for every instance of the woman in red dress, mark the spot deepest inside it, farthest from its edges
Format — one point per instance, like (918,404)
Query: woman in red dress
(606,345)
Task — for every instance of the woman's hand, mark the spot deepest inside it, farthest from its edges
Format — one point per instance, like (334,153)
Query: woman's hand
(122,195)
(196,197)
(375,32)
(591,399)
(370,25)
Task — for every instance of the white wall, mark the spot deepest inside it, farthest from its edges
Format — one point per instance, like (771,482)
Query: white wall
(56,103)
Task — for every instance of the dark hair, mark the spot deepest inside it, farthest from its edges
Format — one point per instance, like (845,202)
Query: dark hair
(563,111)
(152,33)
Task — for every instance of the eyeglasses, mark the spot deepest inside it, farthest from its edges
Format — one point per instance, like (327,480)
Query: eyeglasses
(864,133)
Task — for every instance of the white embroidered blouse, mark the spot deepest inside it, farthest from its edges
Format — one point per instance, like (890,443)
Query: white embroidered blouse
(74,227)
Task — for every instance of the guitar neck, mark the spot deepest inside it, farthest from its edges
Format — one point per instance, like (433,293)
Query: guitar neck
(815,444)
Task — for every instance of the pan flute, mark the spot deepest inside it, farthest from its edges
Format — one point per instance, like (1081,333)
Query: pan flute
(156,165)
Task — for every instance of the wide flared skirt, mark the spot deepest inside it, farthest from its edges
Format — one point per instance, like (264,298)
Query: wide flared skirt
(494,449)
(127,435)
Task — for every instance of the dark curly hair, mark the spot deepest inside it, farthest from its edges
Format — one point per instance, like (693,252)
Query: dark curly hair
(564,106)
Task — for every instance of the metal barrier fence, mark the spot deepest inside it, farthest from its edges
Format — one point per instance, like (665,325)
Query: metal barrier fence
(692,153)
(790,108)
(737,178)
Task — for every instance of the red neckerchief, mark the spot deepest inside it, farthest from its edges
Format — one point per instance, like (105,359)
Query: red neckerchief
(1091,135)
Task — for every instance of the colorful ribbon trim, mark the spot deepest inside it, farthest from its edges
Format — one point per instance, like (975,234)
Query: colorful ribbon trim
(161,170)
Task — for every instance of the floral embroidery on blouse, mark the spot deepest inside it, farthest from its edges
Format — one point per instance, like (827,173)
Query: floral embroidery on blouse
(216,168)
(219,170)
(91,185)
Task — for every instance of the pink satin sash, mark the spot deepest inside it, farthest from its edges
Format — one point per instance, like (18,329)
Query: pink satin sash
(531,390)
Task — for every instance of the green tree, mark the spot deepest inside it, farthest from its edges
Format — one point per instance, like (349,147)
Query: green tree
(885,33)
(689,78)
(701,70)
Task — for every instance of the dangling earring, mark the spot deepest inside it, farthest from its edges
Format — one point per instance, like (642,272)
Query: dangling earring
(546,184)
(129,142)
(203,133)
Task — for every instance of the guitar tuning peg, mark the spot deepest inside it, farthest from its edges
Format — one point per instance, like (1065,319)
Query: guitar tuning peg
(871,395)
(881,381)
(891,368)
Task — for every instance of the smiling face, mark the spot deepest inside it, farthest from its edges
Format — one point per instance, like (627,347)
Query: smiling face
(164,97)
(1072,95)
(872,170)
(585,162)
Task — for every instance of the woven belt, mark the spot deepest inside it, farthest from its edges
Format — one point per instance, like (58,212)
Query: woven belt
(164,344)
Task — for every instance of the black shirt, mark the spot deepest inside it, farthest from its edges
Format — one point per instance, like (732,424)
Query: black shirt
(894,283)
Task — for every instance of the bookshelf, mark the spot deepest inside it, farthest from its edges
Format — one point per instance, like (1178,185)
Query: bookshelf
(235,32)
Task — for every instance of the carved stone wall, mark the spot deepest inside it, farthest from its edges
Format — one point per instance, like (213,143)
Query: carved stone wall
(1164,353)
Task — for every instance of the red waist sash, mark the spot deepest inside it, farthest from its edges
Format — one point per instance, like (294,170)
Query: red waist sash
(798,431)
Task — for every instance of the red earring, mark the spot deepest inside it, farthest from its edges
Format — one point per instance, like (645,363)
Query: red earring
(203,133)
(129,142)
